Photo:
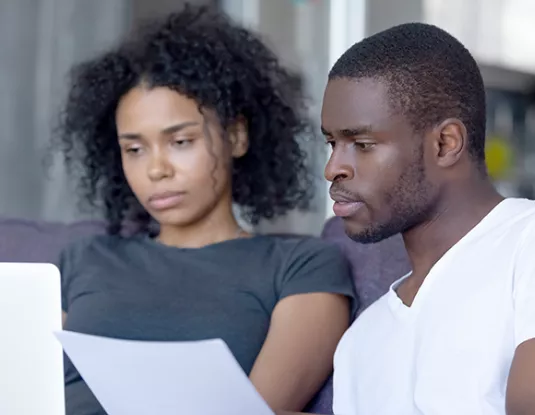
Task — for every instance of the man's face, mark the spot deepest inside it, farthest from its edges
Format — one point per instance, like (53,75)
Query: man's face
(377,167)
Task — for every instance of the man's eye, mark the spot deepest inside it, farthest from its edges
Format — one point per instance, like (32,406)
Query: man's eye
(365,146)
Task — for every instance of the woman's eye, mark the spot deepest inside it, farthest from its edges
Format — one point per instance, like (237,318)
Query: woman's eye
(133,150)
(182,142)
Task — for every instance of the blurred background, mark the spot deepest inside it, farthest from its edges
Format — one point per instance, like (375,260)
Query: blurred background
(41,39)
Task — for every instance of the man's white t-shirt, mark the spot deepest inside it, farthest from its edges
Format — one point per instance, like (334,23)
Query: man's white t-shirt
(451,351)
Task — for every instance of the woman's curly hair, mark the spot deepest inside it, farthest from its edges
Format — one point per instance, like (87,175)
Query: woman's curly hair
(200,53)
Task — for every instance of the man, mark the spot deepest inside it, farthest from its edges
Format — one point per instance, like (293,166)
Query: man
(404,111)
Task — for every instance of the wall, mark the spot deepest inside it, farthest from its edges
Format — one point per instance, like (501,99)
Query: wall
(298,31)
(39,41)
(143,9)
(497,32)
(382,14)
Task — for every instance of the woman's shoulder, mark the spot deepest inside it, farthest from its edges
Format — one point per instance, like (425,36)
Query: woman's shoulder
(311,264)
(87,242)
(93,245)
(295,246)
(296,254)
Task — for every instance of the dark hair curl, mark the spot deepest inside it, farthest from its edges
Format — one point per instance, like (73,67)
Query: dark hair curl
(200,53)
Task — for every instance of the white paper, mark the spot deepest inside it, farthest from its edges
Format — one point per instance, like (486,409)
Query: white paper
(163,378)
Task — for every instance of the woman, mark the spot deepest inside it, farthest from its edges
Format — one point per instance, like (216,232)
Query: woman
(167,131)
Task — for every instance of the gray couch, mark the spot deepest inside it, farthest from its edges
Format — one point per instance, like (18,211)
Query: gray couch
(374,267)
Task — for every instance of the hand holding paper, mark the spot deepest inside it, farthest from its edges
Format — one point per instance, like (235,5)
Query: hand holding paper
(164,378)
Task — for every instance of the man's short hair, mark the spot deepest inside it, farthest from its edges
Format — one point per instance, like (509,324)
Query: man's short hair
(431,76)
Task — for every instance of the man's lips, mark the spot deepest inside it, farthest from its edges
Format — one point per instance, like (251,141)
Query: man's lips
(346,209)
(345,206)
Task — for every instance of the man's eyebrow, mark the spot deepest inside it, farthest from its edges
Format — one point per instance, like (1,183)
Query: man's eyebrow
(350,132)
(356,131)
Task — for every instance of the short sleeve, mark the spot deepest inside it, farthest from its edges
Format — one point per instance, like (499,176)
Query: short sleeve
(65,266)
(315,266)
(524,290)
(68,267)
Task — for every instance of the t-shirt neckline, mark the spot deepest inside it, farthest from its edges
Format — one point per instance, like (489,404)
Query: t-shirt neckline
(396,304)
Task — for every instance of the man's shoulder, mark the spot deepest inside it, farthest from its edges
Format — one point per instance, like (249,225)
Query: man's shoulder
(509,224)
(516,210)
(519,222)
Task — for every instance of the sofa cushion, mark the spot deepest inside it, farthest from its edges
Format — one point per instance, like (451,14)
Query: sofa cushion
(375,266)
(31,241)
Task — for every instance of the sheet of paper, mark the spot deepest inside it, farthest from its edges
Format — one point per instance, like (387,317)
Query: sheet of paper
(141,378)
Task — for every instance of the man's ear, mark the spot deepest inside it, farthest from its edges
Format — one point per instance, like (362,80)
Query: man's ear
(239,138)
(451,141)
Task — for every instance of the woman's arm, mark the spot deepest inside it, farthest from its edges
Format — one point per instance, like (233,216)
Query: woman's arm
(297,355)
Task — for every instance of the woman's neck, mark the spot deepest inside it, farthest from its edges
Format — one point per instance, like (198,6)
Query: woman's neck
(218,226)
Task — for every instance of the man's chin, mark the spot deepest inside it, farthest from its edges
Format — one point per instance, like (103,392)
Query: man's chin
(364,235)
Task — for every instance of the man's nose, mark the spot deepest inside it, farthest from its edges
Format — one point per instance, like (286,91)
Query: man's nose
(339,166)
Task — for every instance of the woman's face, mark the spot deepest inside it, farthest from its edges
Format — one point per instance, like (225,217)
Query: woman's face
(174,158)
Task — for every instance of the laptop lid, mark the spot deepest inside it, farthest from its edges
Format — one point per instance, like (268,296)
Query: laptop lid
(31,358)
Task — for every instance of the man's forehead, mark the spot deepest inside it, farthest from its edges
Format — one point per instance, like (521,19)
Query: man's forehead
(348,103)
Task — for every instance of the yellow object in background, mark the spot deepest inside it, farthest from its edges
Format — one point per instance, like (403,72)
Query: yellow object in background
(499,157)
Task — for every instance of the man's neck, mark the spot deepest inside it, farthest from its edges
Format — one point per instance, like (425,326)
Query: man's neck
(456,216)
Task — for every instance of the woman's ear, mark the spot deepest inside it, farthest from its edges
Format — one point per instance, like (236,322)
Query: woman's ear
(239,138)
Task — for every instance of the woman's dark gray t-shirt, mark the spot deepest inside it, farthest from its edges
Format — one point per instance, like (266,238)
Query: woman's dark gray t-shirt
(138,289)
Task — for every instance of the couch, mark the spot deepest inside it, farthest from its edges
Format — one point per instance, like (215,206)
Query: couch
(374,267)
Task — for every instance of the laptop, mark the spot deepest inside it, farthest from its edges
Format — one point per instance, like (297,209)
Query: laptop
(31,358)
